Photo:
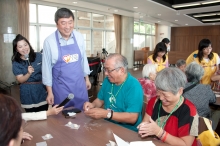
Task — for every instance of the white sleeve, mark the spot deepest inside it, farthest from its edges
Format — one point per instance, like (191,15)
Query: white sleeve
(42,115)
(47,65)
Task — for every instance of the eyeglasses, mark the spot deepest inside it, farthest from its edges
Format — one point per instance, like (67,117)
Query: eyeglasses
(109,71)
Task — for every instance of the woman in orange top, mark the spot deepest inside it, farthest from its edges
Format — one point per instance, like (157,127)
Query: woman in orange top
(206,58)
(159,56)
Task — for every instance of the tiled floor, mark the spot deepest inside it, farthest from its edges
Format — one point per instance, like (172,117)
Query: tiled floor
(92,92)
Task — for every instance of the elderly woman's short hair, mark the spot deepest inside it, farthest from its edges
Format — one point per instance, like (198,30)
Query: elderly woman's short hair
(149,68)
(180,62)
(170,80)
(194,72)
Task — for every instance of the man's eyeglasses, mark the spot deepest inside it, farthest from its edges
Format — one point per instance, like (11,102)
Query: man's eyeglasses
(109,71)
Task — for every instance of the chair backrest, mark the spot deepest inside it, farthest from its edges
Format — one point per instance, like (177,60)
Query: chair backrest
(144,106)
(138,55)
(202,125)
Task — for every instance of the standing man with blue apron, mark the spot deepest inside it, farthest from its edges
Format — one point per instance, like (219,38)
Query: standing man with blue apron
(65,66)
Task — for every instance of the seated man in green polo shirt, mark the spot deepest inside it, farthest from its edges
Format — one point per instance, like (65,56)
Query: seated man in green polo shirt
(121,94)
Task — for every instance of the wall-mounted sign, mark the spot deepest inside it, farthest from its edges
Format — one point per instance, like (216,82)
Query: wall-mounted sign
(8,38)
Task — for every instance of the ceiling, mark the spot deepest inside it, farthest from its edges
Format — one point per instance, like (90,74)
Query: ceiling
(147,10)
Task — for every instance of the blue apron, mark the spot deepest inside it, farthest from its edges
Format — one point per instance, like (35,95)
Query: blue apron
(68,76)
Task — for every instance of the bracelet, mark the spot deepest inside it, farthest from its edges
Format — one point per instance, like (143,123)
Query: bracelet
(165,137)
(111,115)
(162,134)
(159,132)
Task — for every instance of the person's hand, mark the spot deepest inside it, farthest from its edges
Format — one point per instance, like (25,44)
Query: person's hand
(54,110)
(50,98)
(141,124)
(27,136)
(148,128)
(87,105)
(88,84)
(97,113)
(30,70)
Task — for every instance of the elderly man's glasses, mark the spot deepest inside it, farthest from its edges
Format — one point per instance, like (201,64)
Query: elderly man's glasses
(109,71)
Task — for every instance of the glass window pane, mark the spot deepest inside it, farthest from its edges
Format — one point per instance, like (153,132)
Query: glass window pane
(153,40)
(44,33)
(142,27)
(74,14)
(148,28)
(109,22)
(153,29)
(33,37)
(136,41)
(98,20)
(148,42)
(84,19)
(136,26)
(141,41)
(32,13)
(98,41)
(110,42)
(46,14)
(87,40)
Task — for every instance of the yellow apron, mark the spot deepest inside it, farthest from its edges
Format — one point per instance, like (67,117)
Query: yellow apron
(209,67)
(160,64)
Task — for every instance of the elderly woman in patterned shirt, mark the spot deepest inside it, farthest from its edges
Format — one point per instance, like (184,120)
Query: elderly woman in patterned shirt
(147,82)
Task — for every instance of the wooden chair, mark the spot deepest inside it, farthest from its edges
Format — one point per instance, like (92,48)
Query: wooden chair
(145,49)
(138,58)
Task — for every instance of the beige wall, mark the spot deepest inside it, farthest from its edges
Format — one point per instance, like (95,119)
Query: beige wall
(8,18)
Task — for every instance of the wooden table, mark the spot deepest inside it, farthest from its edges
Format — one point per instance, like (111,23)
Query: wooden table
(91,132)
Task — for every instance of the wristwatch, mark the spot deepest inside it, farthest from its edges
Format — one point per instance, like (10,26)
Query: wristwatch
(109,115)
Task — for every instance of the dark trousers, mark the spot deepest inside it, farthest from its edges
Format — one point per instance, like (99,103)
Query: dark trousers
(37,109)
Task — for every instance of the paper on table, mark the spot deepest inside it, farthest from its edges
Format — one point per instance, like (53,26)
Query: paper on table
(41,143)
(47,136)
(142,143)
(121,142)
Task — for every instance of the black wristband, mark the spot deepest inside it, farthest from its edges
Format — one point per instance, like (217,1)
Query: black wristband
(111,115)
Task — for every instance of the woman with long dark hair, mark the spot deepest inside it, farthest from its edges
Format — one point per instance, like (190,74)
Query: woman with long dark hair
(159,57)
(10,124)
(26,66)
(206,58)
(167,43)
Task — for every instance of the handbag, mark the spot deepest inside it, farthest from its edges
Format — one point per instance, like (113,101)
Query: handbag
(207,137)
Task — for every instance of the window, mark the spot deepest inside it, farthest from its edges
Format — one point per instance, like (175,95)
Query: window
(109,22)
(97,29)
(33,14)
(44,32)
(32,37)
(98,21)
(136,27)
(144,35)
(87,40)
(110,42)
(46,14)
(84,19)
(98,41)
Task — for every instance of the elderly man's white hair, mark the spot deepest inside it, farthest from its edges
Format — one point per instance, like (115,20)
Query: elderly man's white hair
(149,68)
